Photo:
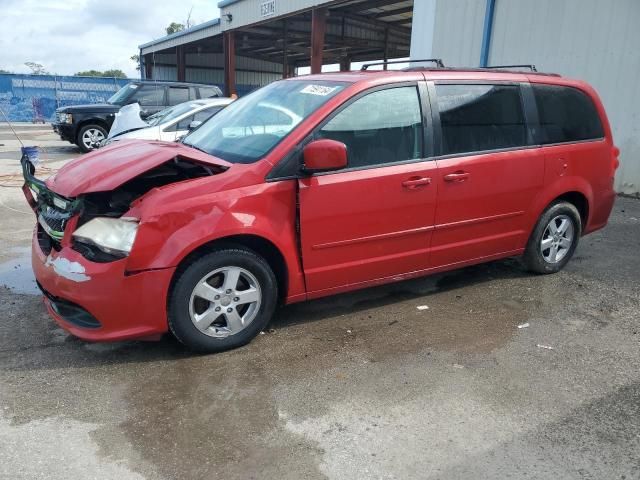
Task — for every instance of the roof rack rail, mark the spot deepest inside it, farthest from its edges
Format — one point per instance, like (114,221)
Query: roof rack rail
(437,61)
(499,67)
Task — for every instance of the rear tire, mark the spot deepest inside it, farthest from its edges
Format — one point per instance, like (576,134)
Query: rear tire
(222,300)
(554,239)
(91,137)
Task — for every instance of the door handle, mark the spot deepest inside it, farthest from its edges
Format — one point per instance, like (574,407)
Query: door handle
(456,177)
(415,182)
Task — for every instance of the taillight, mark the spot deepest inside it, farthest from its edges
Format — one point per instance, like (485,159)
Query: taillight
(615,153)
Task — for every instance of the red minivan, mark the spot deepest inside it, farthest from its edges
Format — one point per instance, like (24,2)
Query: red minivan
(318,185)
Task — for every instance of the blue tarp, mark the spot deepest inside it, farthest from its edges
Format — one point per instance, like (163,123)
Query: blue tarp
(29,98)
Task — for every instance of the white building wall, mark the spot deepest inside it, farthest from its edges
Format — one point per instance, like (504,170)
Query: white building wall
(424,17)
(592,40)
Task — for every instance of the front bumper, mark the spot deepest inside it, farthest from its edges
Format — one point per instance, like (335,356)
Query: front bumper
(67,131)
(122,306)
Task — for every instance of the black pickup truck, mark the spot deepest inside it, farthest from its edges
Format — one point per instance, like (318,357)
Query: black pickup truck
(88,125)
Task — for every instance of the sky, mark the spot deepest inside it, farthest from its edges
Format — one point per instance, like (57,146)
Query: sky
(68,36)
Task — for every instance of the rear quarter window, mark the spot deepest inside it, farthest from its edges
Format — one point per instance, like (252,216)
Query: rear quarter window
(208,92)
(566,115)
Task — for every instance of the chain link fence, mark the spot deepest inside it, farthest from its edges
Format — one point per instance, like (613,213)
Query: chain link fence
(34,98)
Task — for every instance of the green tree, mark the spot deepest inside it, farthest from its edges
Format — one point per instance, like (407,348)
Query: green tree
(136,59)
(4,71)
(107,73)
(174,27)
(114,72)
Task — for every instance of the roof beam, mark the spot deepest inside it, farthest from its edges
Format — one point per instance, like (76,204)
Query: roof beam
(390,13)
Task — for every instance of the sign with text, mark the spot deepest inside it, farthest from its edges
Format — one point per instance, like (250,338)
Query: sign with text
(268,8)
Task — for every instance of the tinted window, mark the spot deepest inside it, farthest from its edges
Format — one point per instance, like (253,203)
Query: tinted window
(207,92)
(178,95)
(566,115)
(381,127)
(150,95)
(480,117)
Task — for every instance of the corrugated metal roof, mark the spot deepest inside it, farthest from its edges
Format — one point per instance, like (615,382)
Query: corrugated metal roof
(197,28)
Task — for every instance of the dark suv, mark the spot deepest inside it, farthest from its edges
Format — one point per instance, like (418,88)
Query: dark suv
(87,125)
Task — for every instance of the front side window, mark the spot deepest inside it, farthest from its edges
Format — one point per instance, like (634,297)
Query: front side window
(566,115)
(206,114)
(382,127)
(201,116)
(171,113)
(250,127)
(150,96)
(477,118)
(184,123)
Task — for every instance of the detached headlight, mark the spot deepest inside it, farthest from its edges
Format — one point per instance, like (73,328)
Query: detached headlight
(65,118)
(111,235)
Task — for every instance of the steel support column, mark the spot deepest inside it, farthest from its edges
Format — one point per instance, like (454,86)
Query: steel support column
(229,63)
(180,62)
(487,31)
(318,28)
(386,48)
(345,64)
(148,66)
(285,53)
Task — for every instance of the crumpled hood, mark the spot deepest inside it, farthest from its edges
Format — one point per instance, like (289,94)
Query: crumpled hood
(126,120)
(108,168)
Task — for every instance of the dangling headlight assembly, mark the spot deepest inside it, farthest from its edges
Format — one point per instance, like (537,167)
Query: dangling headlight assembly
(114,236)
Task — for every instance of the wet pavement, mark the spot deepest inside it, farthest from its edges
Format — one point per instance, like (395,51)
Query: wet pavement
(362,385)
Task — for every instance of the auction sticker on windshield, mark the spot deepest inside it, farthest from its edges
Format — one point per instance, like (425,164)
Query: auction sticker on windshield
(321,90)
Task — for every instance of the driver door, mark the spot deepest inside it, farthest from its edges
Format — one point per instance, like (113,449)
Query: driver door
(372,220)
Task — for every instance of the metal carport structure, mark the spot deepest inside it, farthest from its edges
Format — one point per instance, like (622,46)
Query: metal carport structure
(255,42)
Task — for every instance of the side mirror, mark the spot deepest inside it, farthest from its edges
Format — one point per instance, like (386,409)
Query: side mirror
(324,155)
(195,124)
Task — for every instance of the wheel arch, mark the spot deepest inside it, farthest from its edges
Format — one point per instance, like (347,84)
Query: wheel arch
(578,200)
(255,243)
(574,190)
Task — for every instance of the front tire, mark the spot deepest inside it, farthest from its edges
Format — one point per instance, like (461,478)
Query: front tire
(91,137)
(554,239)
(222,300)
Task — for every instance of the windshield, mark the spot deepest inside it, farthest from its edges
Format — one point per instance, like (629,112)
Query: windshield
(121,95)
(249,128)
(171,113)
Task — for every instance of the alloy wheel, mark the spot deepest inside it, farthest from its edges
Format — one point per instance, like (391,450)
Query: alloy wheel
(557,239)
(225,301)
(92,138)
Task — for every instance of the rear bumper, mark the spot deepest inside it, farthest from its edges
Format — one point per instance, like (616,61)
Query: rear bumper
(100,301)
(66,131)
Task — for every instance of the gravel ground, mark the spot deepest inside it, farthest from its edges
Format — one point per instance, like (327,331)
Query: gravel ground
(364,385)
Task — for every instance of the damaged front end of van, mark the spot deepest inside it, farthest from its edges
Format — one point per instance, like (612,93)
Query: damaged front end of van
(95,227)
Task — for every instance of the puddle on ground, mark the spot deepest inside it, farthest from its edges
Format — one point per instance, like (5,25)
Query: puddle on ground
(17,275)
